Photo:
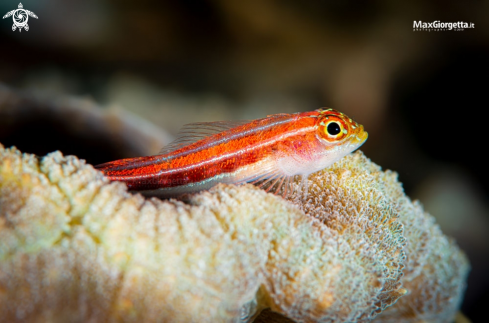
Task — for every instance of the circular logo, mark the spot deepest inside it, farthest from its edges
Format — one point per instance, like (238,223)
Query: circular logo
(20,18)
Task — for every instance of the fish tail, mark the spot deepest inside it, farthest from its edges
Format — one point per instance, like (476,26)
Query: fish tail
(124,165)
(137,173)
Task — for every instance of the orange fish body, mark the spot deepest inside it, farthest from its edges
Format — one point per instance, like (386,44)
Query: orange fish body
(268,151)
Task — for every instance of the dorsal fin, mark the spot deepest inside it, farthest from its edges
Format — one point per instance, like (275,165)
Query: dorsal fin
(194,132)
(278,115)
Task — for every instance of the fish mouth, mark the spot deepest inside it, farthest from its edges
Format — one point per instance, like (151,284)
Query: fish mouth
(360,136)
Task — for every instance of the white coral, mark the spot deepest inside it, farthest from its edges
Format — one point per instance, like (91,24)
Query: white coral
(75,247)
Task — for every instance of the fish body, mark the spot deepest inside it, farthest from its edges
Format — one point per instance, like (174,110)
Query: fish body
(266,151)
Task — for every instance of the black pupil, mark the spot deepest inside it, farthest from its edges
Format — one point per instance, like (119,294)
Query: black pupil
(334,129)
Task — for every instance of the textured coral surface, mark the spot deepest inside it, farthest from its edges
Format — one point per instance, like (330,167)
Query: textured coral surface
(77,248)
(355,196)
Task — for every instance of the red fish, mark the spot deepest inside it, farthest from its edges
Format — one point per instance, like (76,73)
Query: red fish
(268,152)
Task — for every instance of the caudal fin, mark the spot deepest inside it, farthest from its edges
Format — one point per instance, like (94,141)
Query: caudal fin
(124,166)
(139,173)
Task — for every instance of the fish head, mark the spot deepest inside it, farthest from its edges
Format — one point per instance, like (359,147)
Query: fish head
(338,134)
(334,135)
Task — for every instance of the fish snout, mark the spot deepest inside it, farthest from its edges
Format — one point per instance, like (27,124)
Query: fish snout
(360,135)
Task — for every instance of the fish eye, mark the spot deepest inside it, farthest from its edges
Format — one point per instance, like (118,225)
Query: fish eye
(333,128)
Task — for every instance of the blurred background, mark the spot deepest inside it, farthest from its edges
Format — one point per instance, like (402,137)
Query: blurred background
(421,95)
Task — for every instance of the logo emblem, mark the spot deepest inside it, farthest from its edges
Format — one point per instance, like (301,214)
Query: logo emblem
(20,17)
